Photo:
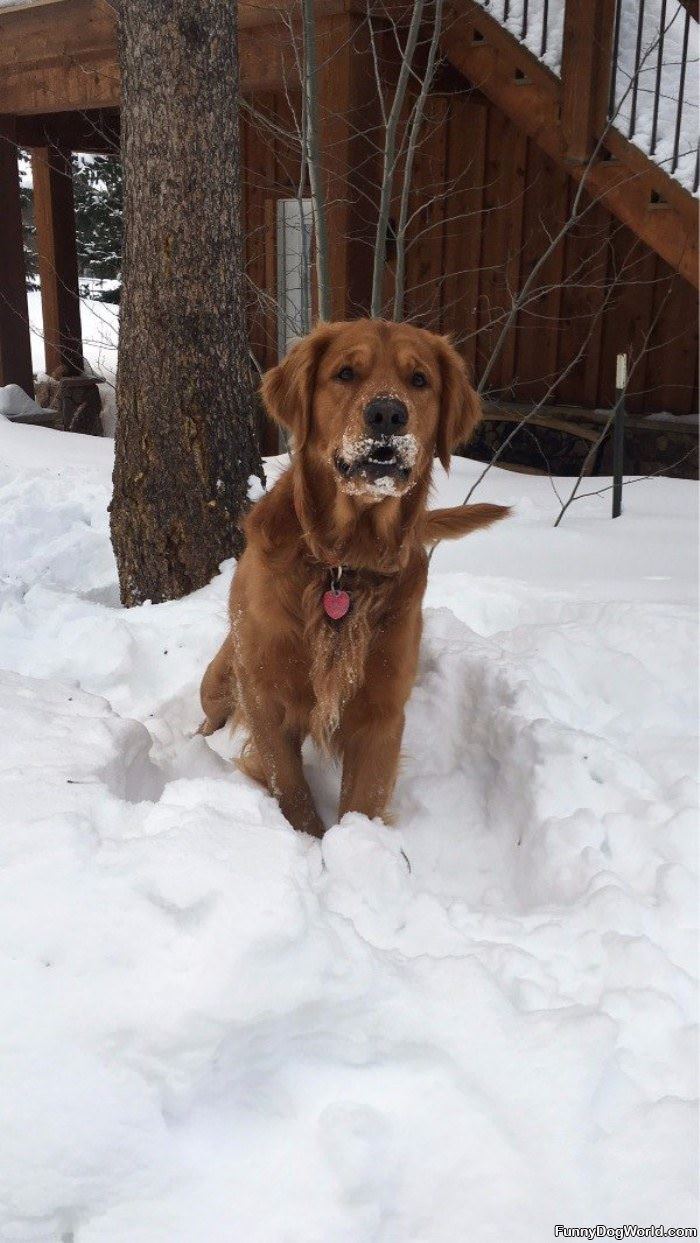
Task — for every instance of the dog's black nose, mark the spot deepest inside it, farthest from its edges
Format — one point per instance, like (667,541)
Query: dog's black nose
(385,416)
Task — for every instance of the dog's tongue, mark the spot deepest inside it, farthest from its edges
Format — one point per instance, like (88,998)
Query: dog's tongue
(336,604)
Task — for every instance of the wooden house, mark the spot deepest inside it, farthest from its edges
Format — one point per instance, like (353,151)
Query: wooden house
(511,129)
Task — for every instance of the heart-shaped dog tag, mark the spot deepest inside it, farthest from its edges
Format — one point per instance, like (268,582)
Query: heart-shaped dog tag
(336,604)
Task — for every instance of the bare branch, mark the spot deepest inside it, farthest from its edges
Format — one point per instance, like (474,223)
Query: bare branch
(389,161)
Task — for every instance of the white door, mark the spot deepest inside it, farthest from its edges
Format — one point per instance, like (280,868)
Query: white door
(294,233)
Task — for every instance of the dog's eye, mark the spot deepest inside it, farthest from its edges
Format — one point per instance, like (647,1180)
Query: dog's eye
(419,380)
(346,374)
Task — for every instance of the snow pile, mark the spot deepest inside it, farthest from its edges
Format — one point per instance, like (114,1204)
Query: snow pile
(474,1025)
(14,401)
(540,26)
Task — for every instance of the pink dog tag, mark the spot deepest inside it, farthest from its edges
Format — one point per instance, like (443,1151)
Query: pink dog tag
(336,604)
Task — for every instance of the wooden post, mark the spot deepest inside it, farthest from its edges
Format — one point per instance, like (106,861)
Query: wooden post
(619,433)
(585,74)
(348,109)
(54,216)
(15,347)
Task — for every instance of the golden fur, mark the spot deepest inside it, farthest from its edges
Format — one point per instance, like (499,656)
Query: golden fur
(285,671)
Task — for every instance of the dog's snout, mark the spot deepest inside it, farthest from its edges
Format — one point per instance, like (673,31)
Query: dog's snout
(385,416)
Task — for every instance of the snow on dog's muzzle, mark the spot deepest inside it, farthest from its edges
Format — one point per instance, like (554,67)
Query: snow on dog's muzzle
(377,463)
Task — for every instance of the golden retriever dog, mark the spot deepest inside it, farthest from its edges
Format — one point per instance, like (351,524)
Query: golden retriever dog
(325,604)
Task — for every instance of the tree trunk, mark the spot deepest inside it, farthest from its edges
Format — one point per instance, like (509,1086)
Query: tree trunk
(185,440)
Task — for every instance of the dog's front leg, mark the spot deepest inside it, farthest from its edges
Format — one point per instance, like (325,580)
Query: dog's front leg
(371,748)
(279,751)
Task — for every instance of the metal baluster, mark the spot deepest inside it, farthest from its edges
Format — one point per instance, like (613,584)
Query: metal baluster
(681,89)
(616,46)
(523,30)
(657,87)
(545,19)
(637,60)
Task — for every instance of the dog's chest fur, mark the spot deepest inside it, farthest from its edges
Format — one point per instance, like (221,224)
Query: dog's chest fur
(338,650)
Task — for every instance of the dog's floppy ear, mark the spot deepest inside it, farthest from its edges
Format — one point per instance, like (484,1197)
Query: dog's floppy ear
(460,409)
(288,389)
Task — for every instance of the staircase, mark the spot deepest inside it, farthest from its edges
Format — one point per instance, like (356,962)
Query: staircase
(608,89)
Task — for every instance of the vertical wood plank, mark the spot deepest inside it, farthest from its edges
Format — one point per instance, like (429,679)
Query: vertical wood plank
(504,172)
(15,345)
(54,216)
(582,298)
(466,150)
(545,204)
(671,363)
(426,238)
(348,120)
(506,371)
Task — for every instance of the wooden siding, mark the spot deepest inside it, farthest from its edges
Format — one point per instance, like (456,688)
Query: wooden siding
(598,294)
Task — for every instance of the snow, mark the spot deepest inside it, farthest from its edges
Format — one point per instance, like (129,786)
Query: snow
(14,401)
(527,19)
(473,1025)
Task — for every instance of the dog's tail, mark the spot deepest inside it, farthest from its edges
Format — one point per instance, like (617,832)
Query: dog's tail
(460,520)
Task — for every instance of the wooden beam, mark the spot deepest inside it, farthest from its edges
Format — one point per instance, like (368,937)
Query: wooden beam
(347,95)
(80,85)
(68,86)
(66,60)
(59,59)
(94,132)
(91,81)
(70,31)
(629,184)
(54,217)
(586,65)
(15,346)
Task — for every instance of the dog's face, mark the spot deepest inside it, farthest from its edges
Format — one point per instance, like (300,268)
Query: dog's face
(373,402)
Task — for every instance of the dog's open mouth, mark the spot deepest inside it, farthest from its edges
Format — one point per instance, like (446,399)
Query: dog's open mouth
(379,460)
(392,459)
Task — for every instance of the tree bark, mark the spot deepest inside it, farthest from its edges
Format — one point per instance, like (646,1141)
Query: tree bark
(186,439)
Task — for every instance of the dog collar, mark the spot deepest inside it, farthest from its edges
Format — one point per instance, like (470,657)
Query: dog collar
(336,600)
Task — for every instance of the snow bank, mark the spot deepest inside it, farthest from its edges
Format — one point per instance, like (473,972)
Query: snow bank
(471,1026)
(14,401)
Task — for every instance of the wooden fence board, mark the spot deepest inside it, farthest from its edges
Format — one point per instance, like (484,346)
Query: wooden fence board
(501,240)
(670,382)
(544,212)
(581,308)
(466,149)
(426,268)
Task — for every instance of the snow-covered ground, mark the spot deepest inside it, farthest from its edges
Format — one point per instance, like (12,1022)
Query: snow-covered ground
(216,1030)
